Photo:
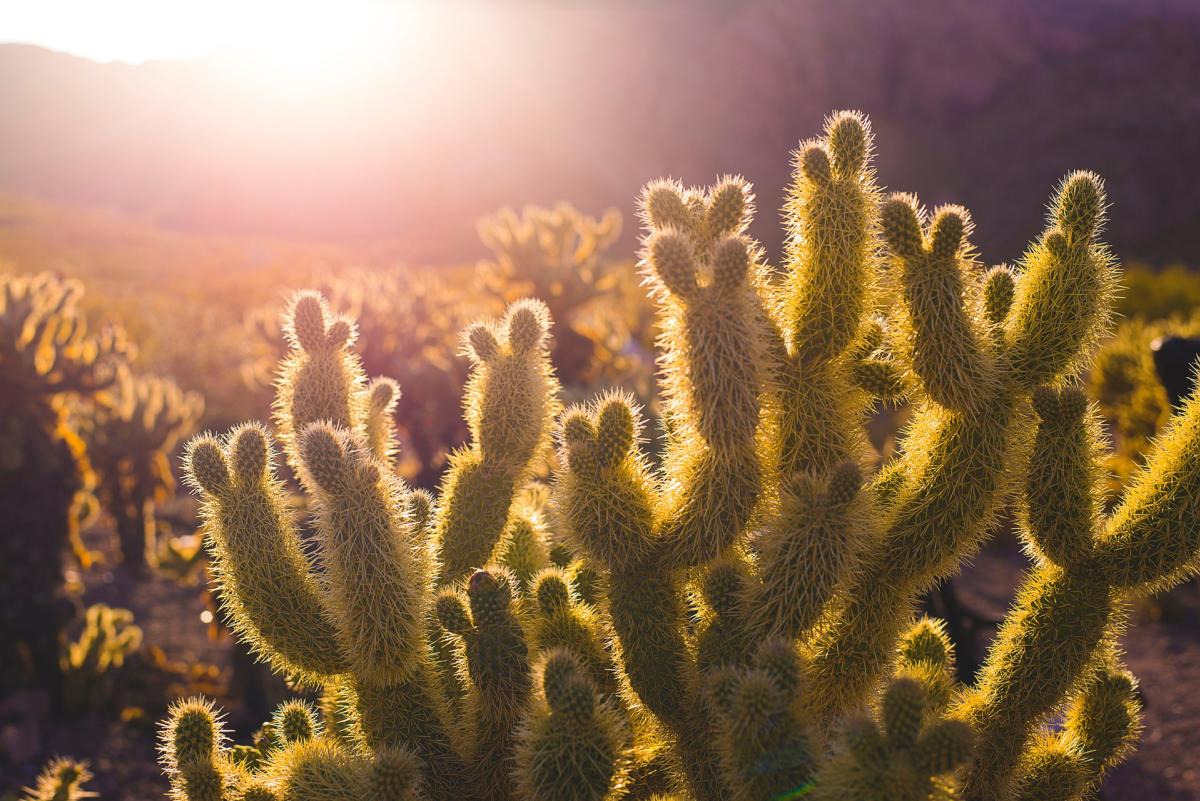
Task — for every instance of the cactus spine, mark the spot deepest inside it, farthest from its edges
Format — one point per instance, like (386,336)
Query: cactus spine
(738,624)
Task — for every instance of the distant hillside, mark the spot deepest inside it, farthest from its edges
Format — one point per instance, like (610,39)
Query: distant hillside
(983,103)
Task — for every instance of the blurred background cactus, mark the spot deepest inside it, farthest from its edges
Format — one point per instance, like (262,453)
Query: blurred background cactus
(62,779)
(131,433)
(737,624)
(560,255)
(47,356)
(92,664)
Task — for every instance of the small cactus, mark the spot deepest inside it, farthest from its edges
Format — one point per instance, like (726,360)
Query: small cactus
(62,779)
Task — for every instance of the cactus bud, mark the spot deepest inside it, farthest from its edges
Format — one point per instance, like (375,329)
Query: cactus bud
(205,464)
(671,257)
(730,262)
(944,746)
(324,456)
(664,206)
(528,326)
(849,143)
(1079,207)
(306,320)
(614,431)
(489,595)
(902,226)
(295,721)
(483,344)
(814,164)
(844,484)
(452,612)
(728,208)
(904,704)
(928,642)
(950,224)
(999,289)
(249,453)
(550,589)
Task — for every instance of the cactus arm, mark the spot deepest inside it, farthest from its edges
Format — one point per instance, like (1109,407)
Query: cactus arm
(1062,297)
(765,748)
(950,492)
(714,339)
(411,714)
(320,380)
(258,560)
(380,428)
(510,401)
(497,664)
(605,495)
(1061,616)
(1152,540)
(1063,609)
(378,589)
(569,740)
(1102,724)
(831,215)
(943,328)
(808,551)
(193,753)
(830,212)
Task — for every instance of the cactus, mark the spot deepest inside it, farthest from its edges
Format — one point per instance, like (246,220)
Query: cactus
(91,663)
(559,255)
(130,435)
(62,779)
(47,357)
(1131,396)
(738,623)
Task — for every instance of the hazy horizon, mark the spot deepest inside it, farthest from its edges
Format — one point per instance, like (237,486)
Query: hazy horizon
(408,121)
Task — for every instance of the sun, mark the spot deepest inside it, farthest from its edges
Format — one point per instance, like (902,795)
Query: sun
(296,45)
(303,47)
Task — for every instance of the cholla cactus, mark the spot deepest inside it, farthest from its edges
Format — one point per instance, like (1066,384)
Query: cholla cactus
(408,321)
(559,255)
(62,779)
(1130,393)
(46,356)
(130,435)
(738,625)
(91,663)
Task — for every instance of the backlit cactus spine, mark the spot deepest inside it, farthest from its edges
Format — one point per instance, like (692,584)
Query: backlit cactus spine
(737,625)
(47,356)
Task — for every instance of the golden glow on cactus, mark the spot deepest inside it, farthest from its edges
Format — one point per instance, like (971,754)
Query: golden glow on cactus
(737,623)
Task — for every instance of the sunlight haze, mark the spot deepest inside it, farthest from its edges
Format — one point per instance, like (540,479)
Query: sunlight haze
(281,41)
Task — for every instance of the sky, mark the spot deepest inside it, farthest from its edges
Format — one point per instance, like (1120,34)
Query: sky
(292,34)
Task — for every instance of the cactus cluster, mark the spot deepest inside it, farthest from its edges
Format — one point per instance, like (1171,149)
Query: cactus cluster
(130,434)
(47,357)
(559,255)
(62,779)
(408,321)
(91,664)
(1125,384)
(739,623)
